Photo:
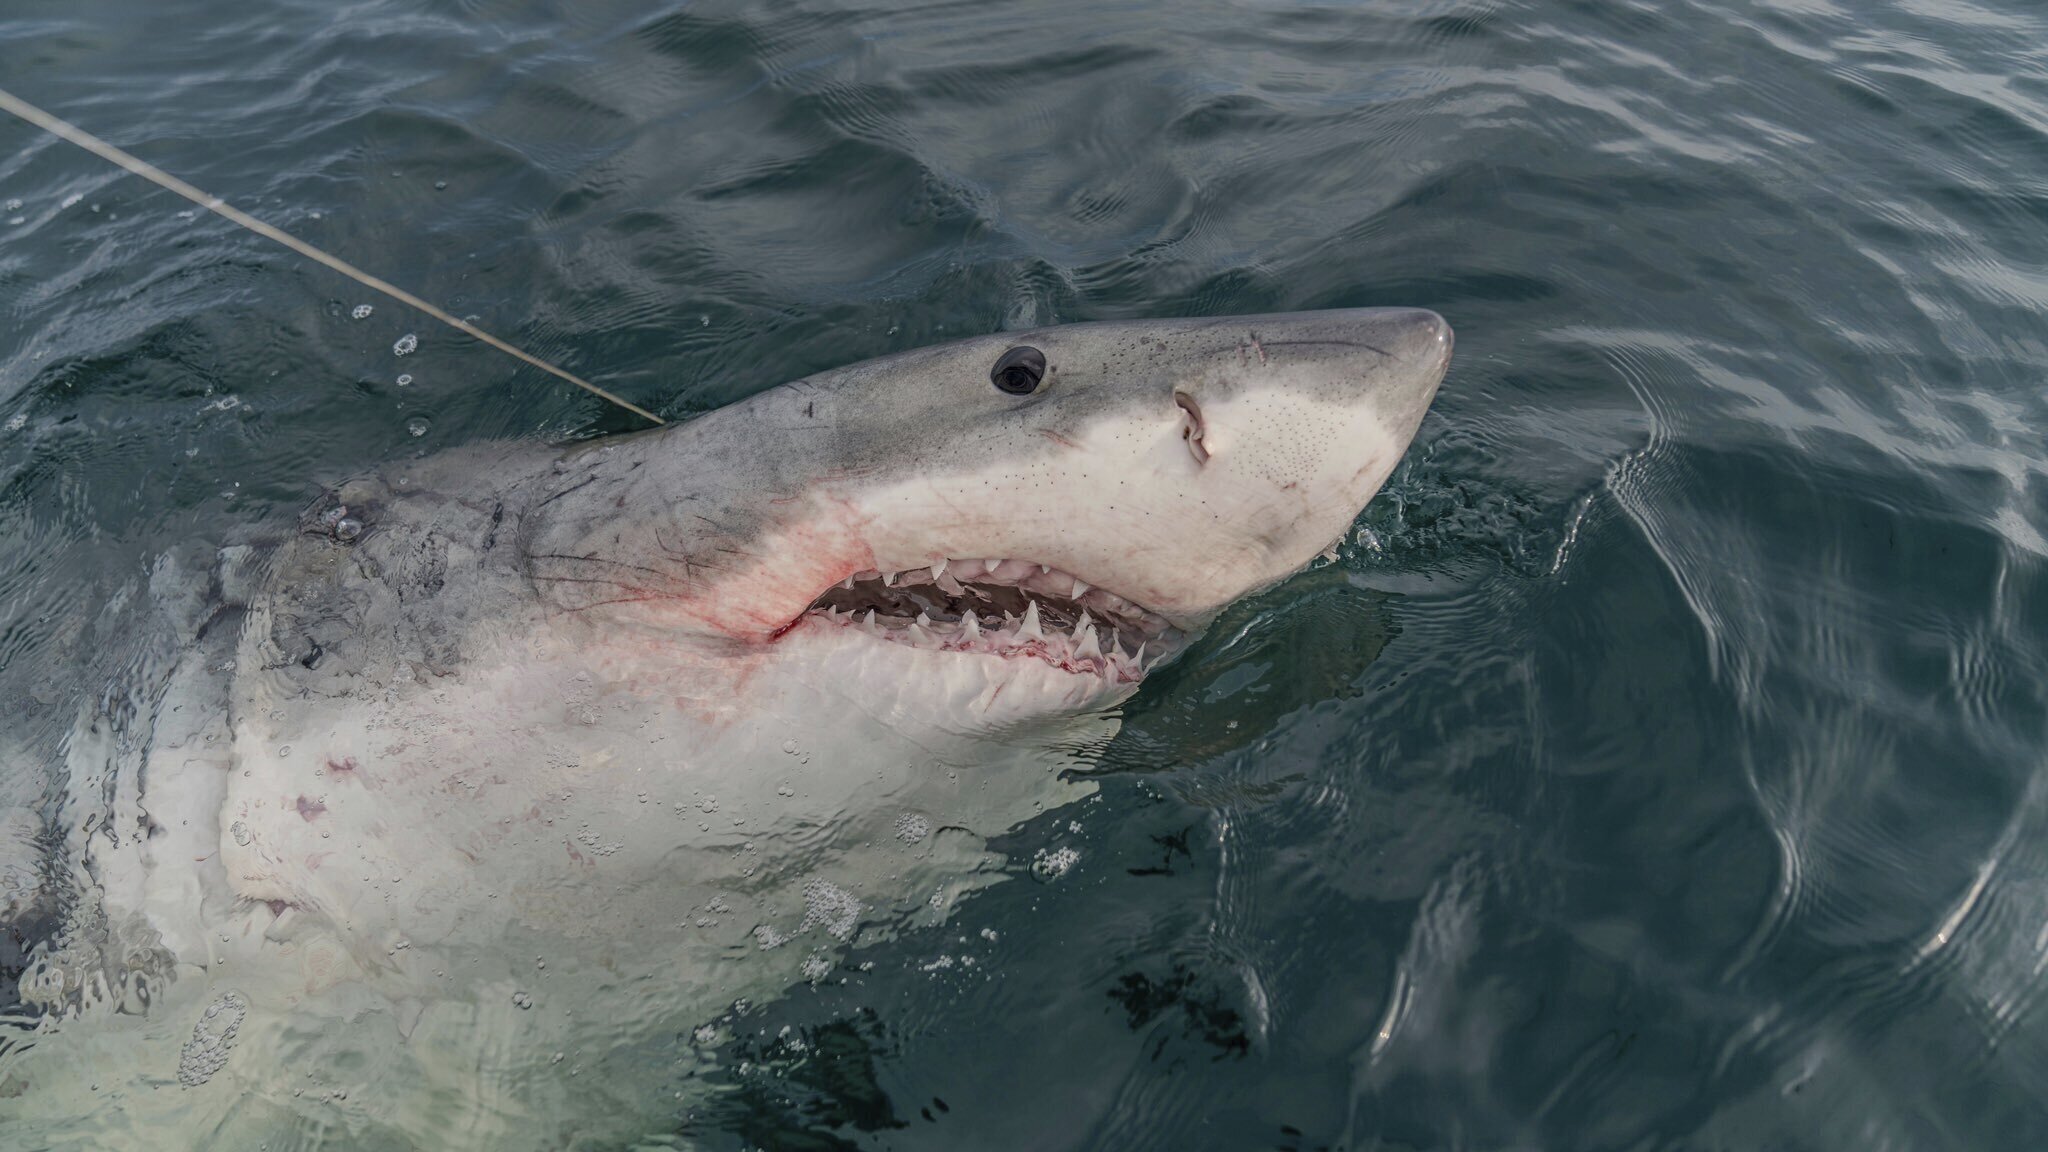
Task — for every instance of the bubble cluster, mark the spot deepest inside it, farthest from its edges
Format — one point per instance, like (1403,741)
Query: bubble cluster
(406,345)
(911,828)
(207,1051)
(834,907)
(1055,864)
(360,312)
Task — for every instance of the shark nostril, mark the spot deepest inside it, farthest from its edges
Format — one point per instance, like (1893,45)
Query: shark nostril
(1191,426)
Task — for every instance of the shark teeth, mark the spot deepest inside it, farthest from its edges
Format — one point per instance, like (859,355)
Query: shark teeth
(1084,650)
(1029,628)
(1007,608)
(1086,647)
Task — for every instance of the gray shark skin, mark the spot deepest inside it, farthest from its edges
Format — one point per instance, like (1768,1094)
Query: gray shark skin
(519,762)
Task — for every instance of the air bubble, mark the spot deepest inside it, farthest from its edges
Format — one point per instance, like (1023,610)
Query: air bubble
(832,906)
(1053,865)
(417,426)
(404,378)
(212,1038)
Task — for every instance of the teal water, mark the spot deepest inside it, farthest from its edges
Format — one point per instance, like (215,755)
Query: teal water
(1664,765)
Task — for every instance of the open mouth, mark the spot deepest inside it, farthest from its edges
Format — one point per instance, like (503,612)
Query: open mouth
(1010,608)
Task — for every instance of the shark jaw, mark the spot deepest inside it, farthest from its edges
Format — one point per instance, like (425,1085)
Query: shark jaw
(1007,609)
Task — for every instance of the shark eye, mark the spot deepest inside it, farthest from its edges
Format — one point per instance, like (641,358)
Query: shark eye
(1019,370)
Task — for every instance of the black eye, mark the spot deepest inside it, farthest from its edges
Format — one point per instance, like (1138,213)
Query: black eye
(1019,370)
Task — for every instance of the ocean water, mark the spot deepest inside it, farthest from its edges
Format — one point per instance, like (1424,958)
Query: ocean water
(1664,764)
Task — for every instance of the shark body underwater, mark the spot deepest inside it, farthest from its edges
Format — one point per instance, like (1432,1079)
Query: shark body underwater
(514,764)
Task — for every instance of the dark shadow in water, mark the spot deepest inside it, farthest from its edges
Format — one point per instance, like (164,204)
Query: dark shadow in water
(804,1089)
(1204,1015)
(1254,664)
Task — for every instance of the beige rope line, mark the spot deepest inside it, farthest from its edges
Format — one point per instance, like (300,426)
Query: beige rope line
(214,204)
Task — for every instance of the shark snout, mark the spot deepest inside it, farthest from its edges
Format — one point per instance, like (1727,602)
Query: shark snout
(1416,345)
(1393,356)
(1293,423)
(1304,387)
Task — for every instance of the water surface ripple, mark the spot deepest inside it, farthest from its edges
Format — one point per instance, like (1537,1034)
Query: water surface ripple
(1665,764)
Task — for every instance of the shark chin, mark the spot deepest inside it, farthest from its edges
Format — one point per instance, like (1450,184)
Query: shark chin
(517,751)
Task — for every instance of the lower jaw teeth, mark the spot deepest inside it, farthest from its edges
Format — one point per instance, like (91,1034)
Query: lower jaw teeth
(1085,647)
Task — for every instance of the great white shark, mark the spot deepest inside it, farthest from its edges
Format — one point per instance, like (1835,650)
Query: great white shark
(468,810)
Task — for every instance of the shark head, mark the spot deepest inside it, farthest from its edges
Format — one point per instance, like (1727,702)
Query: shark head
(1012,525)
